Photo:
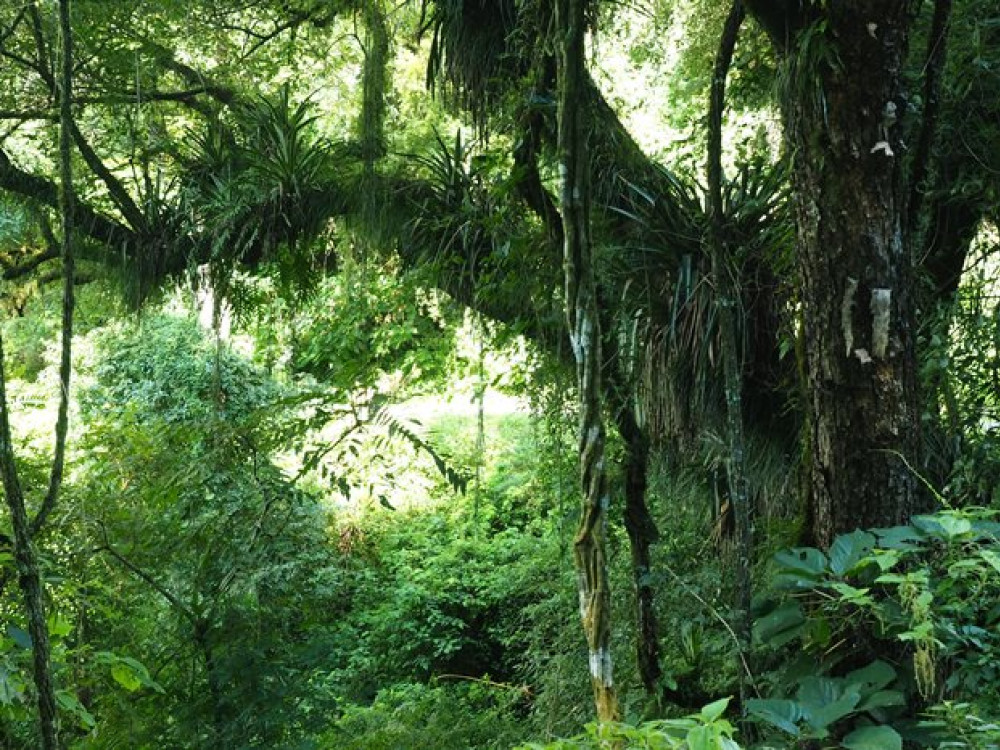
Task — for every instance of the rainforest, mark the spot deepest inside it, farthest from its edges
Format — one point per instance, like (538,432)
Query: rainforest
(499,374)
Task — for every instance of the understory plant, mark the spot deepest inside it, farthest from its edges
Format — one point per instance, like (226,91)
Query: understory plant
(896,632)
(706,730)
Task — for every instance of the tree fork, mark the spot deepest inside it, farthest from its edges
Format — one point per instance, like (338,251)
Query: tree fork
(585,335)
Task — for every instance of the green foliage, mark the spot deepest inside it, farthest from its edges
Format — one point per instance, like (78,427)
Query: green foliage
(363,329)
(926,592)
(960,371)
(706,730)
(211,567)
(421,717)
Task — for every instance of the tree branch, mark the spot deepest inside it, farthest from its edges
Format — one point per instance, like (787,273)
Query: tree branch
(920,173)
(150,581)
(67,206)
(97,226)
(12,272)
(123,201)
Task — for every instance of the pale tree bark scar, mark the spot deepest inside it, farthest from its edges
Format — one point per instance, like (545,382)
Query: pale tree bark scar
(881,314)
(847,315)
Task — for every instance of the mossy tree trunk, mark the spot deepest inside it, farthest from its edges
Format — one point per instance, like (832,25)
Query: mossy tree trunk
(585,335)
(842,111)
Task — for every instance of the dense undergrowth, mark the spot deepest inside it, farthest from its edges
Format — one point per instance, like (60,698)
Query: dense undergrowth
(252,557)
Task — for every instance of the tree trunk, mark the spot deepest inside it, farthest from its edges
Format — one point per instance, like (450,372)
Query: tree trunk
(841,120)
(727,297)
(29,577)
(642,534)
(585,335)
(24,552)
(639,525)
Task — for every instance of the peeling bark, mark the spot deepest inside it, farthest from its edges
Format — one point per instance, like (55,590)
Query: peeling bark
(857,314)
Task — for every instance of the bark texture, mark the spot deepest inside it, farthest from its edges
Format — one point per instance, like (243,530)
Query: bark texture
(585,336)
(841,119)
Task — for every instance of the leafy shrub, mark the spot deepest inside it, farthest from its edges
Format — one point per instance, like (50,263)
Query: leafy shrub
(435,717)
(926,593)
(706,730)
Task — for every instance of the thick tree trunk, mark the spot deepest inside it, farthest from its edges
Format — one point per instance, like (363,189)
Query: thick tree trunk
(585,335)
(858,321)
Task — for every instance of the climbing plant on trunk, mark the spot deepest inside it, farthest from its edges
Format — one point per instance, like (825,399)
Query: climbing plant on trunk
(585,336)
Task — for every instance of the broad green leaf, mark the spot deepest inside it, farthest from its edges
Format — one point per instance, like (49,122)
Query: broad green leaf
(821,717)
(700,738)
(125,676)
(21,638)
(873,738)
(71,704)
(807,562)
(882,699)
(886,559)
(991,557)
(851,594)
(900,538)
(11,687)
(943,526)
(824,700)
(848,550)
(714,710)
(873,677)
(780,626)
(783,714)
(59,625)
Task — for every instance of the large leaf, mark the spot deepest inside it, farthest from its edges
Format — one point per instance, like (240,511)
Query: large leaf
(20,637)
(800,567)
(125,676)
(714,710)
(900,537)
(824,700)
(700,738)
(882,699)
(11,687)
(848,550)
(874,677)
(780,626)
(873,738)
(943,526)
(783,714)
